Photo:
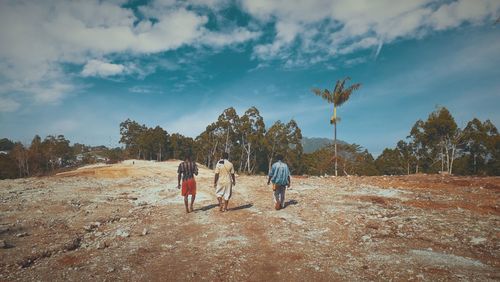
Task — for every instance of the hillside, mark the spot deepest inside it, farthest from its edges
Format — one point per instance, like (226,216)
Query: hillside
(127,222)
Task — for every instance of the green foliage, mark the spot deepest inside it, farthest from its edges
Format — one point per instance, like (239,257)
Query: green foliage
(6,144)
(438,144)
(353,159)
(8,167)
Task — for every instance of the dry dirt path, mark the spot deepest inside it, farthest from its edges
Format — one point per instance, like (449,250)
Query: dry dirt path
(127,222)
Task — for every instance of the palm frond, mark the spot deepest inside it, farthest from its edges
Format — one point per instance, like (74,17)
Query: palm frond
(344,95)
(325,94)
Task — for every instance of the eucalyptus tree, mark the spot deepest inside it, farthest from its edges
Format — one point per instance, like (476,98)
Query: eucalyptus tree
(275,141)
(442,132)
(337,97)
(251,134)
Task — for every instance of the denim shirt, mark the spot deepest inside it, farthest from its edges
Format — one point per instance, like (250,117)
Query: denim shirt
(279,173)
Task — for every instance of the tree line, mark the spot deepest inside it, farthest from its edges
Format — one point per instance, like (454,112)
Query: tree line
(47,156)
(439,145)
(250,144)
(434,145)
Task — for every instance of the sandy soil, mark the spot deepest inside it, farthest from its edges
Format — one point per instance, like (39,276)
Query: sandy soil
(127,222)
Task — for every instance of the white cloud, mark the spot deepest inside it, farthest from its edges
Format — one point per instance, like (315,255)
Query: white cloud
(102,69)
(328,28)
(236,36)
(8,105)
(37,38)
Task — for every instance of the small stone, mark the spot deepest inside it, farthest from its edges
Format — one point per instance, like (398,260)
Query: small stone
(366,238)
(122,233)
(477,240)
(142,203)
(102,245)
(3,244)
(110,269)
(24,234)
(144,232)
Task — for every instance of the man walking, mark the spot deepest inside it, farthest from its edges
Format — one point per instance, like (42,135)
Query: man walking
(187,170)
(280,176)
(224,181)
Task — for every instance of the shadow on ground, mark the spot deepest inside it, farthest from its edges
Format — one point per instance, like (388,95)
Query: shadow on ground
(241,207)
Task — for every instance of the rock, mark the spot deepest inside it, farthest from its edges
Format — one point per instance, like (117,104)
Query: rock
(23,234)
(102,245)
(110,269)
(142,203)
(144,232)
(366,238)
(73,245)
(122,233)
(477,240)
(3,244)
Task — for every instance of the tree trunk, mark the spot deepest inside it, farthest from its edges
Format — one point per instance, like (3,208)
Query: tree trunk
(335,145)
(160,153)
(442,157)
(452,159)
(248,157)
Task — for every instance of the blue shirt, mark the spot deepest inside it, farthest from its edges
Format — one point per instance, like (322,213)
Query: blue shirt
(279,173)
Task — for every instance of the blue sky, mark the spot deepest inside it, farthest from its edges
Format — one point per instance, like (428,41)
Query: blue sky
(79,68)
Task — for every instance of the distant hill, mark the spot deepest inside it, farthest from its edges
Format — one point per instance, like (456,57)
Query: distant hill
(315,143)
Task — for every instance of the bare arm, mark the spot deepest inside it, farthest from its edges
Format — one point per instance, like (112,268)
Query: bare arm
(269,180)
(178,180)
(216,179)
(289,181)
(234,179)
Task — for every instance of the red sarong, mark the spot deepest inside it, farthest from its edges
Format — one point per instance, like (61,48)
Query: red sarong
(188,187)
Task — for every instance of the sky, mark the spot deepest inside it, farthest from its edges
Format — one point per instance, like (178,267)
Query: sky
(79,68)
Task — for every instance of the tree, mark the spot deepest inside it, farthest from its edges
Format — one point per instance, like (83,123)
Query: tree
(418,144)
(405,152)
(390,162)
(251,134)
(479,146)
(6,144)
(131,132)
(442,133)
(294,150)
(35,155)
(338,97)
(275,141)
(20,155)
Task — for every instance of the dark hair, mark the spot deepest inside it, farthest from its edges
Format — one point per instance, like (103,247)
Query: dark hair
(187,156)
(279,157)
(225,155)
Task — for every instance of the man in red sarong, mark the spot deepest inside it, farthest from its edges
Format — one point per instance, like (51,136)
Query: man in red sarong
(186,171)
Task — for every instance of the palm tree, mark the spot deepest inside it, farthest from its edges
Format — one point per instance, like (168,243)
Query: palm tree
(338,97)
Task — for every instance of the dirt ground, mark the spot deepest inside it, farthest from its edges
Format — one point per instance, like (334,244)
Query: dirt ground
(127,222)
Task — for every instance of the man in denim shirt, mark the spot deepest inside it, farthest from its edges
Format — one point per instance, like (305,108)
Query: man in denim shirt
(280,176)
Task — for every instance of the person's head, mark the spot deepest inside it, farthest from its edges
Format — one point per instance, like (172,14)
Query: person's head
(187,156)
(279,157)
(225,155)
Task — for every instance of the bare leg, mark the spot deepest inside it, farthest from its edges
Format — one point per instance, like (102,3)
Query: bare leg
(220,203)
(225,205)
(186,203)
(192,201)
(282,196)
(277,203)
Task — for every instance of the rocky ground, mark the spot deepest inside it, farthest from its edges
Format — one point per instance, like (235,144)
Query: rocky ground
(127,222)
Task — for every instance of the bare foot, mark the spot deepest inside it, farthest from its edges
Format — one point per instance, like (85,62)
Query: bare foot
(191,209)
(277,205)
